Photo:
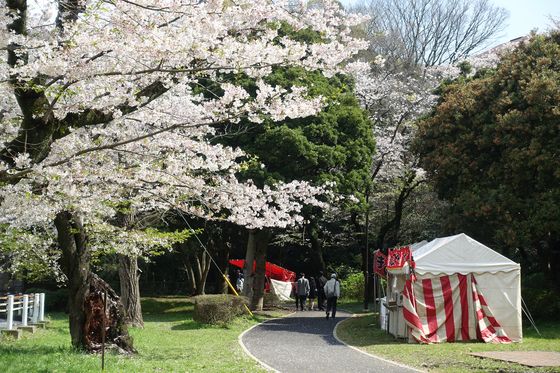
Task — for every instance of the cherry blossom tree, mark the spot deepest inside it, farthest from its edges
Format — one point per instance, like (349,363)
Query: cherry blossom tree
(106,109)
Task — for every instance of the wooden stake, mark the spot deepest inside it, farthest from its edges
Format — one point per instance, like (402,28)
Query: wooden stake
(103,330)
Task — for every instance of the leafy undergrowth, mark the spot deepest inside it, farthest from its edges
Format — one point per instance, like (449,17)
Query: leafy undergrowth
(170,342)
(363,332)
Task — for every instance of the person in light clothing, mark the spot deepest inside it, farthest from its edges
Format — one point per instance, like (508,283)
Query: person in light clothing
(332,292)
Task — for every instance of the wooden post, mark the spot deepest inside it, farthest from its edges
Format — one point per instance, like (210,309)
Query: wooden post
(10,312)
(24,313)
(103,330)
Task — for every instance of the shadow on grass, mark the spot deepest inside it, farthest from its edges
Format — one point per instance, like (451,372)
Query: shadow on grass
(167,309)
(38,349)
(189,325)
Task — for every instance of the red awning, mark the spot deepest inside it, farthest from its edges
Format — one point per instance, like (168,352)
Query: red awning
(272,270)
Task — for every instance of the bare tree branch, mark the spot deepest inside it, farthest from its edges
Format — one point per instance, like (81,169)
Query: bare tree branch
(431,32)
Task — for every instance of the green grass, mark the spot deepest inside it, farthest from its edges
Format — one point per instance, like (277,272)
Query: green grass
(363,332)
(352,306)
(170,342)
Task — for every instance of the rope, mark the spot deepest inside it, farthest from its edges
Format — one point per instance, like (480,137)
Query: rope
(212,259)
(529,316)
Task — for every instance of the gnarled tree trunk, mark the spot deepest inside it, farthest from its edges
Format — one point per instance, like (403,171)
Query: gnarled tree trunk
(317,248)
(86,293)
(129,276)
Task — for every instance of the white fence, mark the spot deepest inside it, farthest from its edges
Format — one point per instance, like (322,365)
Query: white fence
(21,310)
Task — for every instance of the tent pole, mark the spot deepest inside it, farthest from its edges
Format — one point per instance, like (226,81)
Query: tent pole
(374,293)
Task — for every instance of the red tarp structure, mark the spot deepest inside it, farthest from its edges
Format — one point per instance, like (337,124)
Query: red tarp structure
(272,271)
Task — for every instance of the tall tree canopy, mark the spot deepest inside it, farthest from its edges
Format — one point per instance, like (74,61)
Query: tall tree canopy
(431,32)
(491,148)
(336,145)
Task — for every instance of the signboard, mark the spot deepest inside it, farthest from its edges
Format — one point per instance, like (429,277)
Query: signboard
(379,263)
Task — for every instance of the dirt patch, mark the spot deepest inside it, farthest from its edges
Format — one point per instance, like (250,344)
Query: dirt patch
(528,358)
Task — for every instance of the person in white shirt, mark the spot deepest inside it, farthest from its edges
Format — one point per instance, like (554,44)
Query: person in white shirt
(332,292)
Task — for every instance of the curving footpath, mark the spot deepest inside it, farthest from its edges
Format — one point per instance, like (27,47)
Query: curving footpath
(305,342)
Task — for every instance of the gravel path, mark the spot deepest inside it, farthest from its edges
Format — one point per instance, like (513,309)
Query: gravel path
(304,342)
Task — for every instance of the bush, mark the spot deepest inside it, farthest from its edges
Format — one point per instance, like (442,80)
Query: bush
(218,308)
(353,286)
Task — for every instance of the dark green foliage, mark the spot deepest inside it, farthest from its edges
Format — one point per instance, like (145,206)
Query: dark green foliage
(352,287)
(336,145)
(491,147)
(543,303)
(218,308)
(55,300)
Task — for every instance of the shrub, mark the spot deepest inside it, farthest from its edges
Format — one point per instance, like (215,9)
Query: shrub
(218,308)
(353,286)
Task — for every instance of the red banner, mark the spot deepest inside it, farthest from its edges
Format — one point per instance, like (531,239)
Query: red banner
(379,263)
(398,257)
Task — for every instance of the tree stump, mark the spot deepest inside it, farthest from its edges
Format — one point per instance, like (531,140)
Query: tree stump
(116,332)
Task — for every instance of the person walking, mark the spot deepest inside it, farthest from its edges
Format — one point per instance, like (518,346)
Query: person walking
(332,292)
(321,281)
(302,290)
(312,293)
(239,281)
(295,294)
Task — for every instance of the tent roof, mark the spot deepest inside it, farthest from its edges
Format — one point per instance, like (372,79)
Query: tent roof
(459,254)
(271,270)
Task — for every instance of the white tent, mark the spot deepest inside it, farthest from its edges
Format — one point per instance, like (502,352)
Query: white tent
(496,277)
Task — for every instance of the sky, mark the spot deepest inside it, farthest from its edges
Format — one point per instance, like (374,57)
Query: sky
(524,15)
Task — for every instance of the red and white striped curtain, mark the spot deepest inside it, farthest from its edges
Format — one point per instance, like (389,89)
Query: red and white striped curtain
(449,308)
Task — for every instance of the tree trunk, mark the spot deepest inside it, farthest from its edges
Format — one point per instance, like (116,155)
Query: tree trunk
(248,267)
(365,257)
(86,293)
(203,264)
(316,248)
(197,267)
(261,239)
(223,248)
(388,235)
(129,276)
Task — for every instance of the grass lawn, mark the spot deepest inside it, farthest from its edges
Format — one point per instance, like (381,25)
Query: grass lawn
(360,331)
(170,342)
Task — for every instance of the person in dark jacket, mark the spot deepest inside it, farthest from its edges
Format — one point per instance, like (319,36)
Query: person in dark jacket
(312,293)
(321,281)
(302,288)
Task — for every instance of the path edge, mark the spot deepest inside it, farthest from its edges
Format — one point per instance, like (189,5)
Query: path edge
(335,335)
(246,350)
